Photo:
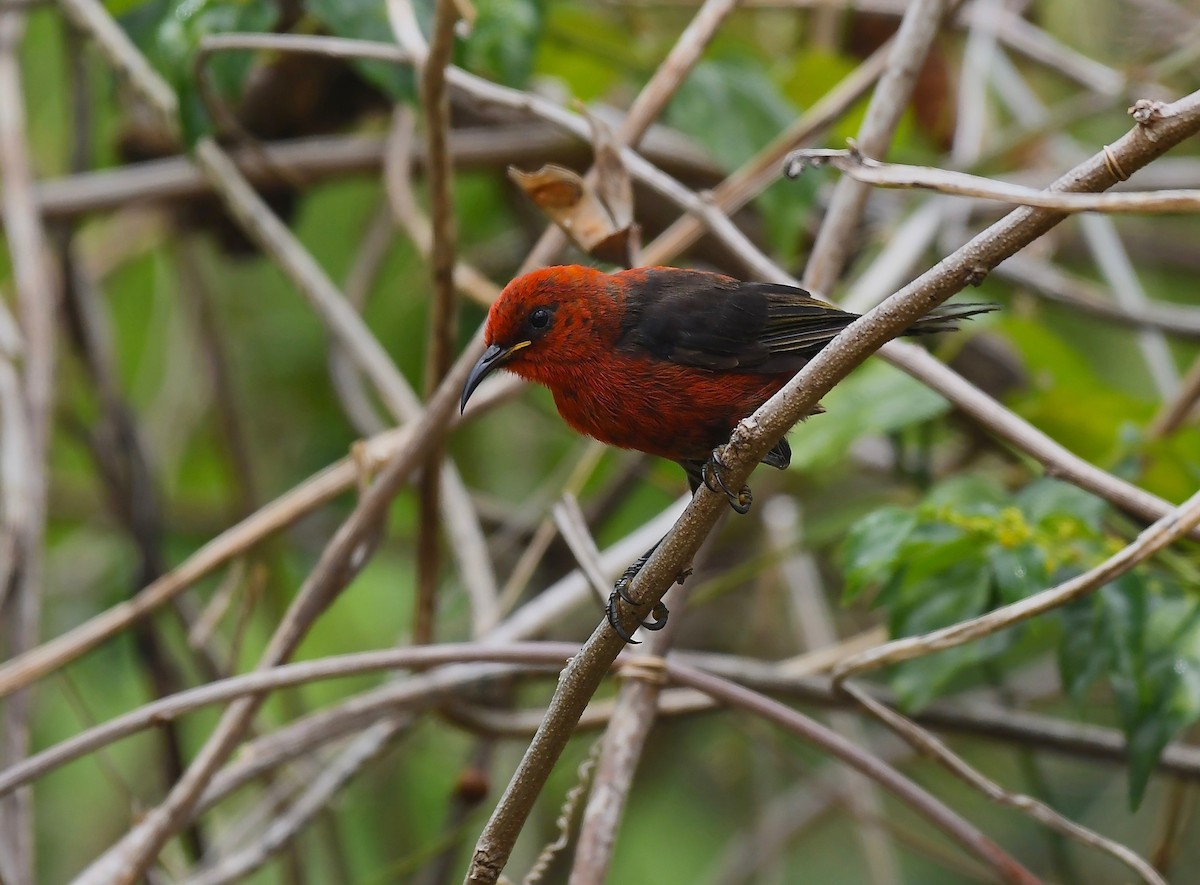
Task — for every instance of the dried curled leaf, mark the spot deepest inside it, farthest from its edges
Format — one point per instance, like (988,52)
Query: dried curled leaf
(595,212)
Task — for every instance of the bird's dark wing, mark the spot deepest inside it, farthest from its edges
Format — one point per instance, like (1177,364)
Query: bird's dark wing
(716,322)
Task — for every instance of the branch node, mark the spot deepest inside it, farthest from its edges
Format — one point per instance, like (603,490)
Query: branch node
(811,158)
(1114,165)
(1145,111)
(976,274)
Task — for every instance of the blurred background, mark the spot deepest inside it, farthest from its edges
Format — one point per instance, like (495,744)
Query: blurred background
(193,384)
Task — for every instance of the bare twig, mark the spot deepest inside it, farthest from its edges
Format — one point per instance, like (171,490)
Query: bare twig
(1040,811)
(435,102)
(318,159)
(813,624)
(1006,868)
(1050,282)
(1175,413)
(862,168)
(634,713)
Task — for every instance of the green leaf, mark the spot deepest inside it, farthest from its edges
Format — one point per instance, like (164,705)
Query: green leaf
(969,493)
(947,597)
(1097,640)
(1169,465)
(875,398)
(1017,572)
(869,554)
(170,34)
(367,20)
(732,107)
(1046,498)
(1166,686)
(934,549)
(504,40)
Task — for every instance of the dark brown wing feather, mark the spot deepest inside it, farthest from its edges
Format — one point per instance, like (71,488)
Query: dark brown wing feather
(716,322)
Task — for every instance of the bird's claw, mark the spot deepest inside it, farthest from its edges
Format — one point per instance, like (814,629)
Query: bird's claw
(620,593)
(659,613)
(711,471)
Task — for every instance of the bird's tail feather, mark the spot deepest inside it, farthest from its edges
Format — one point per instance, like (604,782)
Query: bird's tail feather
(946,318)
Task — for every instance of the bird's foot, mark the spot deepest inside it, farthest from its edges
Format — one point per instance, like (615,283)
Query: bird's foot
(711,472)
(620,593)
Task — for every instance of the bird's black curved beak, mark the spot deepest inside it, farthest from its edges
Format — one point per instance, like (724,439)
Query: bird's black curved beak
(493,358)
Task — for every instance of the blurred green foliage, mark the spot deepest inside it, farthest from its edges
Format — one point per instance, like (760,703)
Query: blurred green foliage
(970,546)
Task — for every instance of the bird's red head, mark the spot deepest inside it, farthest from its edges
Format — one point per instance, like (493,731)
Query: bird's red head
(543,321)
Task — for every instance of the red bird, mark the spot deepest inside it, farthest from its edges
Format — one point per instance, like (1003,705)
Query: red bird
(663,360)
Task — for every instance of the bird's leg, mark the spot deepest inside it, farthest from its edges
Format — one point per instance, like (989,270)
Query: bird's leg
(620,593)
(711,474)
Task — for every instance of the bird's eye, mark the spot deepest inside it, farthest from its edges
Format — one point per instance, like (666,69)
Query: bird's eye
(540,318)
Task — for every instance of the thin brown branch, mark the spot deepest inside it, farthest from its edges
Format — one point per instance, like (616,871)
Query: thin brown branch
(1038,810)
(1175,413)
(433,61)
(634,713)
(318,159)
(1050,282)
(458,511)
(813,624)
(439,176)
(968,837)
(866,170)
